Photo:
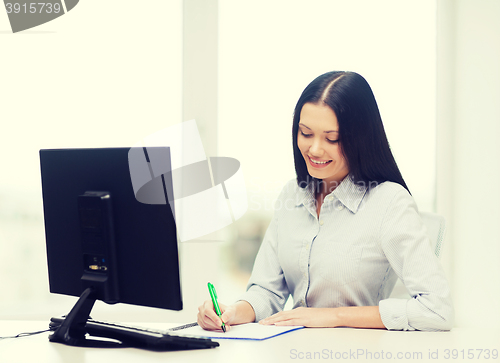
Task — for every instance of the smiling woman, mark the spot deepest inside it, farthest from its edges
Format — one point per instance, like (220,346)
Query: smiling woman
(344,102)
(352,229)
(338,130)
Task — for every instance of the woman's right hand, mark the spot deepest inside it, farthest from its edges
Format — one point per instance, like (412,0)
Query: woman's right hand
(208,319)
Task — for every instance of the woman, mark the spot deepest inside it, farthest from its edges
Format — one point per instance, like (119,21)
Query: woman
(345,230)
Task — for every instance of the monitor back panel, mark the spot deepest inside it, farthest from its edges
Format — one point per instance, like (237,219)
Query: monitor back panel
(145,234)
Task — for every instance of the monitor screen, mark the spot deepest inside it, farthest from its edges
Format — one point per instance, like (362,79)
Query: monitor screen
(98,235)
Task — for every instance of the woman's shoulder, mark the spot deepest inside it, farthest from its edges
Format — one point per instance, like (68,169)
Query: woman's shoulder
(292,191)
(388,188)
(291,185)
(390,193)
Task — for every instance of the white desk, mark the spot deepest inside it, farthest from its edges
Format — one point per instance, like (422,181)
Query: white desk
(305,345)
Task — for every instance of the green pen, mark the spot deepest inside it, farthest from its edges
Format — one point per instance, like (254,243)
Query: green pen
(213,295)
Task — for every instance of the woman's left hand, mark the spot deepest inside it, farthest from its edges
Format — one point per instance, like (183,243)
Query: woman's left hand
(308,317)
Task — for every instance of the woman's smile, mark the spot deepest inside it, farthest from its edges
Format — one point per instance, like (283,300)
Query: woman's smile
(317,163)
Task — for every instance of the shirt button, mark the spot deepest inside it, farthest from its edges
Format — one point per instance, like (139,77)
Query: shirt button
(321,223)
(340,207)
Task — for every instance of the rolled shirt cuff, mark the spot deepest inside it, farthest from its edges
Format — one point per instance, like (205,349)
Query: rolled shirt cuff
(394,314)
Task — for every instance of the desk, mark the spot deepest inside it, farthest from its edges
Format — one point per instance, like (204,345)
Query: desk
(305,345)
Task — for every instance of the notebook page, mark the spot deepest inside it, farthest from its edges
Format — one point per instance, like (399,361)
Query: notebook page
(250,331)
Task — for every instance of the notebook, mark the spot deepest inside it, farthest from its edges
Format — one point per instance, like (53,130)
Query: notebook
(250,331)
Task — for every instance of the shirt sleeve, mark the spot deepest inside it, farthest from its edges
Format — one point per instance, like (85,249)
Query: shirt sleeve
(267,291)
(407,247)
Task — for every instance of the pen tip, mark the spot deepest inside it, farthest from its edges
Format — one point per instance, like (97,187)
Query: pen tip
(223,328)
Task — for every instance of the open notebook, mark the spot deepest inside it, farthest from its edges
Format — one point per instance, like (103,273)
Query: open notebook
(250,331)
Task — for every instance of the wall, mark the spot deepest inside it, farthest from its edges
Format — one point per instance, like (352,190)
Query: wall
(469,153)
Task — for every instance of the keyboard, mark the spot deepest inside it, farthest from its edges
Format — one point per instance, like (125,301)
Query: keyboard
(137,337)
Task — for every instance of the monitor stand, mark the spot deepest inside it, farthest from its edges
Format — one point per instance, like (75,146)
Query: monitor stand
(72,330)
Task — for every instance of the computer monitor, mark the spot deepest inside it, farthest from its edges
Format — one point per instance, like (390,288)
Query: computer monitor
(102,243)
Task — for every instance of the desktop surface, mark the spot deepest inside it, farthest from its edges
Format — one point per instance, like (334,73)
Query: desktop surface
(337,344)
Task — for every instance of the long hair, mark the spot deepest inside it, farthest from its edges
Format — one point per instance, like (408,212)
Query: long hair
(362,136)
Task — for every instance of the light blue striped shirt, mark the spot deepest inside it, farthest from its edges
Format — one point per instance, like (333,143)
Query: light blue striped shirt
(351,255)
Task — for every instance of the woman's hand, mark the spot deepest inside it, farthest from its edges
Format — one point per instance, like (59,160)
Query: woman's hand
(208,319)
(239,313)
(308,317)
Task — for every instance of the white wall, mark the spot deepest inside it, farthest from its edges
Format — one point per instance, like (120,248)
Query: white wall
(469,154)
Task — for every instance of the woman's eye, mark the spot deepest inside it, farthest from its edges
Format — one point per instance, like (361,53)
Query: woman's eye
(305,135)
(332,141)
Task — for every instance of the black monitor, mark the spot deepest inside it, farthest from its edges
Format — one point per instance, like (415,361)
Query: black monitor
(102,243)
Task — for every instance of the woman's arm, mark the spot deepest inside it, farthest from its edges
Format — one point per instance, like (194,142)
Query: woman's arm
(267,291)
(407,247)
(351,316)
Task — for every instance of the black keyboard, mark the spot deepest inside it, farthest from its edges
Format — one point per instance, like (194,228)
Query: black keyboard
(138,337)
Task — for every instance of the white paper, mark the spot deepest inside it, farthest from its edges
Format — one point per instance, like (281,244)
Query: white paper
(250,331)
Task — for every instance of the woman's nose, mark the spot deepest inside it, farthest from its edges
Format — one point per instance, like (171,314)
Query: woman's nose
(316,149)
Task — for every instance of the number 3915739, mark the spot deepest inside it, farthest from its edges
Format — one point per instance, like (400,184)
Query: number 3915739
(33,8)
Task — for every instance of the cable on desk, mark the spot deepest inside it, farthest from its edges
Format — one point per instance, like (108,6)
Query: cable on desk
(21,335)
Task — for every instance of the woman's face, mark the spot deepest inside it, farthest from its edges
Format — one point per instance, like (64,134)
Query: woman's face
(318,141)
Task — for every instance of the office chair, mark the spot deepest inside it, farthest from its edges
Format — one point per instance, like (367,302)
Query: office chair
(435,225)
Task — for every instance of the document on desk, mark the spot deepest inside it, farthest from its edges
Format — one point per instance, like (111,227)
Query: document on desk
(250,331)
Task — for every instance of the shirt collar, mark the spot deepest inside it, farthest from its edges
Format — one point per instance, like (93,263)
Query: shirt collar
(350,194)
(304,195)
